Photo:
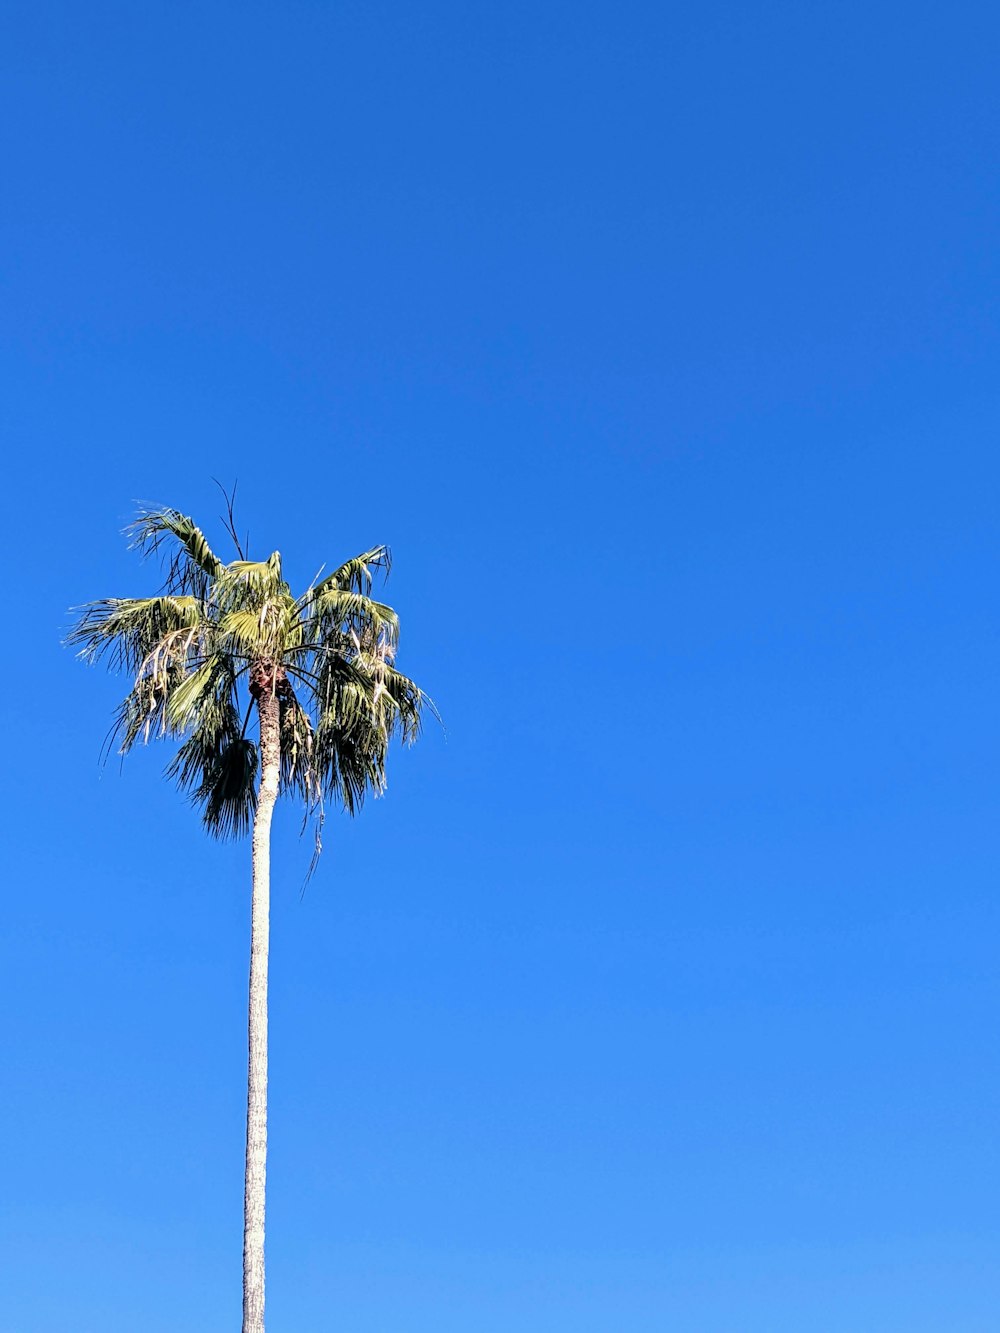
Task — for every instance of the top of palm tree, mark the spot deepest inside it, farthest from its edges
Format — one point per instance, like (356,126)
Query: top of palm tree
(217,636)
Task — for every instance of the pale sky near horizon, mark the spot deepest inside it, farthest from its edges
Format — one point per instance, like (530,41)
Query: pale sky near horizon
(659,341)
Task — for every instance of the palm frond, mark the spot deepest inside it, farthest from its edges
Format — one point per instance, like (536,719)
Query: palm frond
(129,629)
(228,794)
(337,611)
(350,763)
(142,713)
(258,617)
(192,565)
(269,630)
(343,692)
(205,698)
(244,583)
(404,703)
(354,575)
(216,764)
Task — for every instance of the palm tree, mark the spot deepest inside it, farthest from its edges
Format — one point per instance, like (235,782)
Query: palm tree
(217,644)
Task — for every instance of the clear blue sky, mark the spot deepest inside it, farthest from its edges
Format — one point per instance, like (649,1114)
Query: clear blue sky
(659,340)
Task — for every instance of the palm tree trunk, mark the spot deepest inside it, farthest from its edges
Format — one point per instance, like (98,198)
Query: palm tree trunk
(256,1164)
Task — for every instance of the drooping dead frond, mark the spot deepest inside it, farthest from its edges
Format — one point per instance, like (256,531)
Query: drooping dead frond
(228,791)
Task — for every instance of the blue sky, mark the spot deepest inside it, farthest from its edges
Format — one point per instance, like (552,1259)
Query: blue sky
(659,341)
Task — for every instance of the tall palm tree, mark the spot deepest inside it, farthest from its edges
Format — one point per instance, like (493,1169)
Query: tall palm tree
(217,644)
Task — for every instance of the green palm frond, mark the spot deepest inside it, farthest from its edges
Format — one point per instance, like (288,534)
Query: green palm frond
(129,629)
(404,703)
(217,729)
(204,697)
(343,692)
(350,763)
(354,575)
(192,564)
(244,583)
(336,609)
(216,764)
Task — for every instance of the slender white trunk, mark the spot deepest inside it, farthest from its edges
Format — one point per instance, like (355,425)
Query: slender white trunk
(256,1167)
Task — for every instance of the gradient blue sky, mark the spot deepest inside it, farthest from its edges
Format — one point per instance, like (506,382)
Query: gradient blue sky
(659,340)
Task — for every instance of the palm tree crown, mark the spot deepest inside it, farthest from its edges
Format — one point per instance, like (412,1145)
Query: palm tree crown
(219,636)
